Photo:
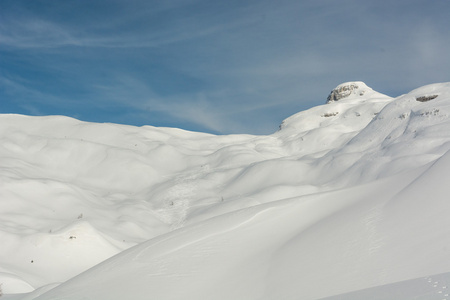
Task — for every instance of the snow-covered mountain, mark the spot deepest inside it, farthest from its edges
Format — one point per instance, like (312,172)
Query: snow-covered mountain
(346,196)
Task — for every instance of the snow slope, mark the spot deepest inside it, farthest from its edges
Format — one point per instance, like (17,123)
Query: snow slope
(435,287)
(344,197)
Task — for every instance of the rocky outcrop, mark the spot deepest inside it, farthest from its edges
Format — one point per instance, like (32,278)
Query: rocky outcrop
(347,89)
(426,98)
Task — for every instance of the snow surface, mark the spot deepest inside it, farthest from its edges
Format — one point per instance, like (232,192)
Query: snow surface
(347,199)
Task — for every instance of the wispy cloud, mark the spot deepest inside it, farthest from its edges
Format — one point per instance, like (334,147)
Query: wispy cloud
(33,31)
(17,88)
(25,33)
(196,108)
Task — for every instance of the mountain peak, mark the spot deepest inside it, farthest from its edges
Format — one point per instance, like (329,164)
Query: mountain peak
(350,90)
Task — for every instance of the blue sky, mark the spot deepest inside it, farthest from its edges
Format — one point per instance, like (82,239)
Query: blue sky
(231,66)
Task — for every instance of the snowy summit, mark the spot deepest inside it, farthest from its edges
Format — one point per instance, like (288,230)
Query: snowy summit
(348,200)
(352,90)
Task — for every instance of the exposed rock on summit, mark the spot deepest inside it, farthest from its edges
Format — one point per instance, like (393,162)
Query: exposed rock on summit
(344,90)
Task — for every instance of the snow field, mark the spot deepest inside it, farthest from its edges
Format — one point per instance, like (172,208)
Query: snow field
(346,196)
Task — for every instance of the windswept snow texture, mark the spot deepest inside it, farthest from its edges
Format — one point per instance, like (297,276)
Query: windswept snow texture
(347,197)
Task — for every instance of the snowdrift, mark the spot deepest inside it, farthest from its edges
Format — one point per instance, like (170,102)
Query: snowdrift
(348,196)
